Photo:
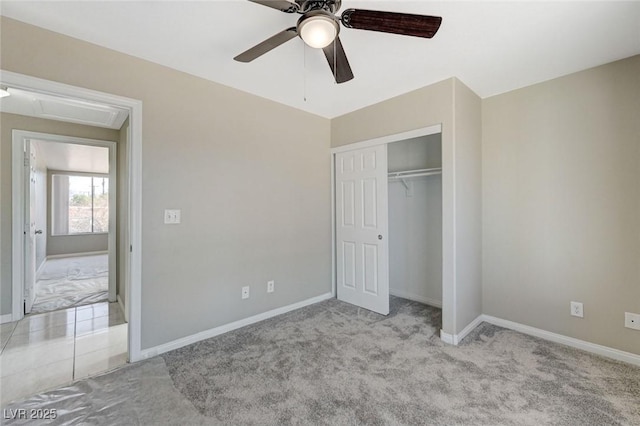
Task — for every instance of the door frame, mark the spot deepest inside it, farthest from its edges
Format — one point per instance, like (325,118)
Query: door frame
(134,157)
(18,194)
(384,140)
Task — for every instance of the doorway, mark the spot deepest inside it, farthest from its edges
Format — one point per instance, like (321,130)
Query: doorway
(132,192)
(70,216)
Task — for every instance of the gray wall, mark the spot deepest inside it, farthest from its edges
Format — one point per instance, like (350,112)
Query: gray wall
(561,211)
(70,244)
(8,122)
(251,177)
(453,105)
(415,222)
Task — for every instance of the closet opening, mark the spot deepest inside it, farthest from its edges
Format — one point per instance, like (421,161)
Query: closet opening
(388,220)
(415,219)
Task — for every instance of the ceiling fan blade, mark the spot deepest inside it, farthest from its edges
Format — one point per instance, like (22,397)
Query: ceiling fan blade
(267,45)
(282,5)
(391,22)
(338,61)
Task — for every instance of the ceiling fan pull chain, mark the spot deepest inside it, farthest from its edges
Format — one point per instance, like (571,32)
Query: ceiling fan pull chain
(335,61)
(304,71)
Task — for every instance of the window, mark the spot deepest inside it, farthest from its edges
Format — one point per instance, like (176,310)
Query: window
(80,204)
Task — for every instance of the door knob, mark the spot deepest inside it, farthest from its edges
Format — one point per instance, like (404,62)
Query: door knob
(379,237)
(39,231)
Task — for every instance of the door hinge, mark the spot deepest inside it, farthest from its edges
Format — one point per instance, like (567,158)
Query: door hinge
(130,249)
(26,161)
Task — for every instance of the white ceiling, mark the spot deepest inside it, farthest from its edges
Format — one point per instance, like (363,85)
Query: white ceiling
(71,157)
(41,105)
(493,47)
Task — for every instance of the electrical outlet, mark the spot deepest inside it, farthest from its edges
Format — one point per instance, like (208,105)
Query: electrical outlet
(271,286)
(172,217)
(632,320)
(245,292)
(577,309)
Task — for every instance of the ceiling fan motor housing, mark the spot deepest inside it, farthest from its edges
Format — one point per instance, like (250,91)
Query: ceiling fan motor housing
(331,6)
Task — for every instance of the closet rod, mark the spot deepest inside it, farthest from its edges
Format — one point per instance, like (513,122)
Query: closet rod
(415,173)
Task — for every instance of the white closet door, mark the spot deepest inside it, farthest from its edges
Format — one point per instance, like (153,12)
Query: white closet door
(361,228)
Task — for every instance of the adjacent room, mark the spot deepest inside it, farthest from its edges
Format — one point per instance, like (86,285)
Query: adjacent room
(75,271)
(320,212)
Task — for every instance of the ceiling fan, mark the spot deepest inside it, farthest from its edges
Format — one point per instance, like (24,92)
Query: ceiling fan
(319,27)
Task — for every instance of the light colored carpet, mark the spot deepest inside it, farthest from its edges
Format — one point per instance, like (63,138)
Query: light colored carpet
(334,364)
(72,281)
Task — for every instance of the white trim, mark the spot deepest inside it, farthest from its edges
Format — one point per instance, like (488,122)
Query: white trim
(184,341)
(134,107)
(411,296)
(6,318)
(454,216)
(455,339)
(17,232)
(85,253)
(134,289)
(468,329)
(446,337)
(334,278)
(416,133)
(605,351)
(124,311)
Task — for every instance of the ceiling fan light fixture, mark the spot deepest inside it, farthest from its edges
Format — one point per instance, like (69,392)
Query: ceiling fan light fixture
(318,30)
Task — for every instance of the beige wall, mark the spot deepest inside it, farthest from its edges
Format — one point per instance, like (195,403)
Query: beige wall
(438,104)
(468,204)
(8,122)
(250,176)
(561,204)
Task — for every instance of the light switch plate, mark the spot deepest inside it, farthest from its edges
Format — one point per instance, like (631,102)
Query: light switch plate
(172,217)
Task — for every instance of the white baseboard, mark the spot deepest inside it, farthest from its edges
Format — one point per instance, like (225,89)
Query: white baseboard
(454,339)
(86,253)
(6,318)
(446,337)
(605,351)
(157,350)
(416,298)
(124,311)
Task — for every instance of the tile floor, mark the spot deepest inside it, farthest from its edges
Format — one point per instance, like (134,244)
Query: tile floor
(48,350)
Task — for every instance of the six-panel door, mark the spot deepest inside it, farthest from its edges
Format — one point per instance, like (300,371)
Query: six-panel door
(362,259)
